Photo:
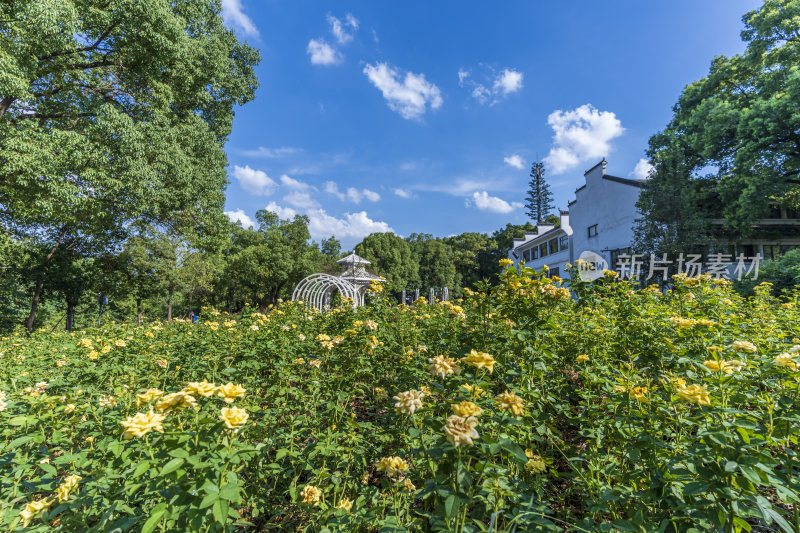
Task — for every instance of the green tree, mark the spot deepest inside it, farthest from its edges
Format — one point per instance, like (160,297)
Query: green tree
(504,241)
(539,201)
(473,258)
(392,258)
(436,265)
(112,112)
(740,125)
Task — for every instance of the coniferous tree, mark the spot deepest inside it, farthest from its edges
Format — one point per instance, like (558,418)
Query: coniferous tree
(539,202)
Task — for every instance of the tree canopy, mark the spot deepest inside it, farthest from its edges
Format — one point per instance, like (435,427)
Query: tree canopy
(737,129)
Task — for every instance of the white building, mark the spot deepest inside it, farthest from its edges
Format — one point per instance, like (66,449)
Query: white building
(600,219)
(550,246)
(603,215)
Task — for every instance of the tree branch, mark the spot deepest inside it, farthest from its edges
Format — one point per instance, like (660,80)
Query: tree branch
(102,38)
(5,103)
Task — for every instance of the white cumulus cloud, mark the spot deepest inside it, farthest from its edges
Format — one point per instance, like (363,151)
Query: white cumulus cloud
(509,81)
(352,226)
(238,215)
(233,15)
(515,161)
(254,181)
(340,28)
(411,94)
(284,213)
(322,53)
(642,169)
(580,135)
(493,204)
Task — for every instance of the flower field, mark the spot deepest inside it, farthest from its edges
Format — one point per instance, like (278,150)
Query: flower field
(519,409)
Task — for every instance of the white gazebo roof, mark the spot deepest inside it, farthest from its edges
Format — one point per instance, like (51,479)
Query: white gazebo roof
(354,270)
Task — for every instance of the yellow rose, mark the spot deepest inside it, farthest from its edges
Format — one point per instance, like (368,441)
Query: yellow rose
(234,417)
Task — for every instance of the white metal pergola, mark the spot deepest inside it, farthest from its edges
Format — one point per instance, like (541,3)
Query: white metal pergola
(316,290)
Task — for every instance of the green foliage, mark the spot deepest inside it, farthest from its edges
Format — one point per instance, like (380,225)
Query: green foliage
(392,258)
(737,128)
(783,273)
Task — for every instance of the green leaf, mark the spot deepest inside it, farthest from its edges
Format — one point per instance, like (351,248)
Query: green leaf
(140,469)
(695,487)
(172,465)
(514,450)
(229,492)
(153,521)
(451,505)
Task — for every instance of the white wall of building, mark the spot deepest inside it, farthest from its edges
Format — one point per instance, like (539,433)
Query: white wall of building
(609,203)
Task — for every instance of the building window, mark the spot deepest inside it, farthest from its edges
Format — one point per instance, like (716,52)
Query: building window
(553,243)
(553,272)
(535,252)
(563,242)
(543,249)
(526,256)
(593,231)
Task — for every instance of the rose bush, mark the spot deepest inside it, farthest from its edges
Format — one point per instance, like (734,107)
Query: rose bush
(525,407)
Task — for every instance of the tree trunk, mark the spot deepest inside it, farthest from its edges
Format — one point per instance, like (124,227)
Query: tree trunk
(37,291)
(70,316)
(139,310)
(169,301)
(190,303)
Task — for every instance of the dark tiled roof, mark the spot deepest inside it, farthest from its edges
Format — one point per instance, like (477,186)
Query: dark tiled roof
(642,184)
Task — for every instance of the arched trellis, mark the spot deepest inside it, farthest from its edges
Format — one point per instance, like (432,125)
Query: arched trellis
(315,290)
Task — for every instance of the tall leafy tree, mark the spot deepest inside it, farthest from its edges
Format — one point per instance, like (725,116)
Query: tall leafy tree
(392,258)
(739,127)
(473,258)
(539,201)
(437,267)
(112,112)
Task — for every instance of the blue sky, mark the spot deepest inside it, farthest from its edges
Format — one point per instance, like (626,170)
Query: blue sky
(425,116)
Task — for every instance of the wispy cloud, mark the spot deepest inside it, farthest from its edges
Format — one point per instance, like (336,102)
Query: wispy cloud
(233,15)
(403,193)
(580,135)
(343,30)
(492,87)
(271,153)
(410,95)
(353,195)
